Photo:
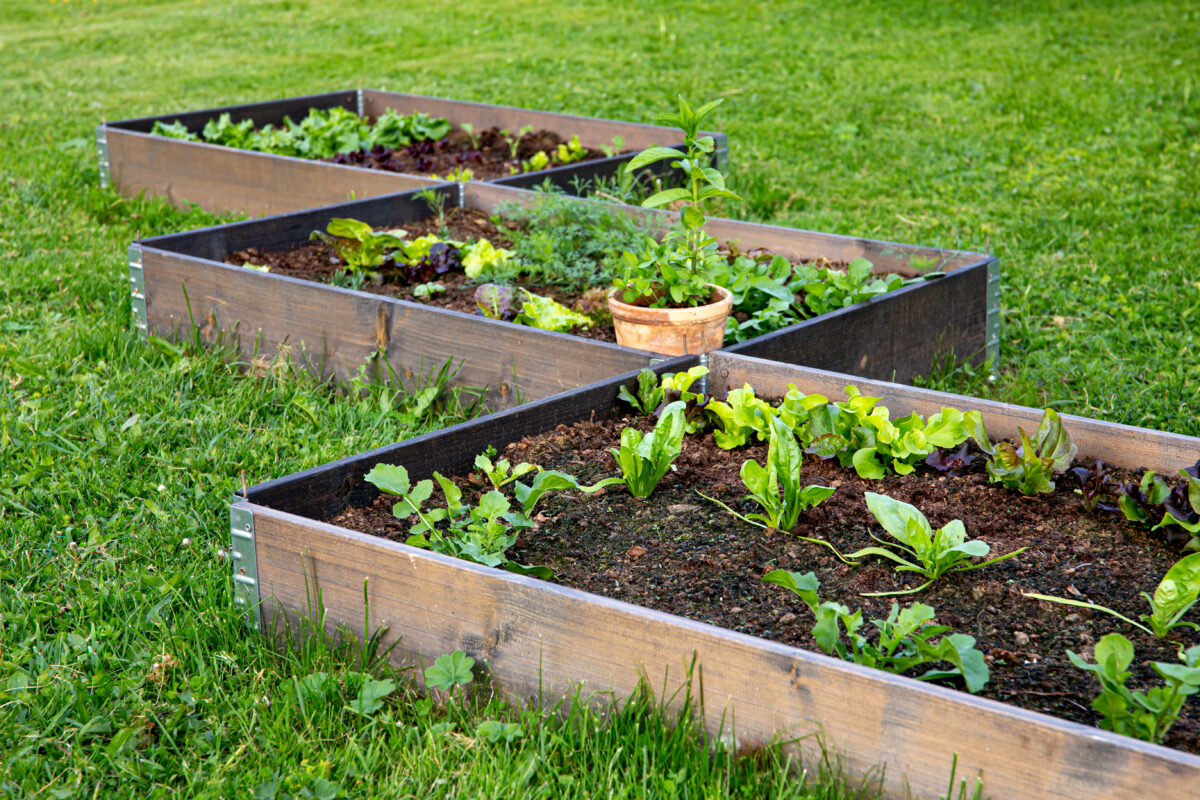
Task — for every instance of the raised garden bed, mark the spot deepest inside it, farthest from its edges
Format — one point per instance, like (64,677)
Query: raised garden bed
(255,183)
(540,638)
(184,279)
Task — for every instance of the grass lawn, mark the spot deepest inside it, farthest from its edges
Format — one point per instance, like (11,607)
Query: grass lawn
(1065,138)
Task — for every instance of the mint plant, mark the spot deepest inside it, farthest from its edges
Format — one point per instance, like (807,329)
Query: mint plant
(676,270)
(905,637)
(1175,595)
(930,554)
(644,460)
(1143,715)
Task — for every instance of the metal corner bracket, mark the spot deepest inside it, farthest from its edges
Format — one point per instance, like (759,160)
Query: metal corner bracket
(358,99)
(102,156)
(244,560)
(137,291)
(992,327)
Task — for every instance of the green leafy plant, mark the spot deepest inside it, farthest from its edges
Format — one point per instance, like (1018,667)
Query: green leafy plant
(740,416)
(675,270)
(426,290)
(482,257)
(610,150)
(469,130)
(649,392)
(514,141)
(1177,592)
(436,201)
(481,533)
(1144,715)
(827,289)
(654,393)
(394,130)
(450,670)
(1029,468)
(644,460)
(778,488)
(546,313)
(359,248)
(1174,509)
(905,637)
(930,554)
(502,473)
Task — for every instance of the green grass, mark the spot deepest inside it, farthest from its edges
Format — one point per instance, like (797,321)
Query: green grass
(1065,138)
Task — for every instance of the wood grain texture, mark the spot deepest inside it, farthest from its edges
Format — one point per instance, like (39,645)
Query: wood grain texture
(223,179)
(1122,445)
(334,331)
(323,491)
(540,639)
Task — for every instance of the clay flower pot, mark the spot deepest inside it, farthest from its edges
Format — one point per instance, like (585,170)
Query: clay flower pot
(672,331)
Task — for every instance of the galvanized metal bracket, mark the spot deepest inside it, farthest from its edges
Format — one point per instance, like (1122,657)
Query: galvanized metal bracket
(702,383)
(721,152)
(244,561)
(358,99)
(102,156)
(462,194)
(992,327)
(137,291)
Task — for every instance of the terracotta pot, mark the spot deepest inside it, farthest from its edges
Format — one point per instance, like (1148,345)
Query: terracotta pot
(672,331)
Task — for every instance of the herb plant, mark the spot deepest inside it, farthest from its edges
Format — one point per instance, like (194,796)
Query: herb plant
(481,533)
(1144,715)
(905,637)
(644,460)
(930,554)
(1177,592)
(675,270)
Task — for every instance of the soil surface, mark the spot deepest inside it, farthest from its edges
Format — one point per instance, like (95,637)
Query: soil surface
(488,157)
(679,553)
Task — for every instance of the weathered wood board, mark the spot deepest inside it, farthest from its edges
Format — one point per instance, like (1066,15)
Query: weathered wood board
(223,179)
(539,639)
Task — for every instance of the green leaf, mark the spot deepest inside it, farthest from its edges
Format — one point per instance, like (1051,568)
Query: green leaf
(390,478)
(652,155)
(1114,649)
(494,731)
(450,670)
(665,197)
(693,218)
(866,466)
(370,696)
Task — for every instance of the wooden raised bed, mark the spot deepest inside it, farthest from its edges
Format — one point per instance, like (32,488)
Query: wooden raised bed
(180,279)
(541,639)
(225,179)
(181,288)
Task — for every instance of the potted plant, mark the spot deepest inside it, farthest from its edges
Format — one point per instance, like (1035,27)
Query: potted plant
(663,301)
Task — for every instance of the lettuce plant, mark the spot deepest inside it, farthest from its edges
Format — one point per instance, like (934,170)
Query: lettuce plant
(654,394)
(827,289)
(649,392)
(905,637)
(1177,592)
(1029,468)
(739,417)
(359,248)
(644,460)
(1144,715)
(1173,508)
(929,553)
(496,302)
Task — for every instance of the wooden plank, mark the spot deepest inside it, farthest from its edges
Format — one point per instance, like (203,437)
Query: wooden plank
(293,229)
(1121,445)
(896,336)
(270,112)
(334,331)
(223,179)
(539,639)
(325,490)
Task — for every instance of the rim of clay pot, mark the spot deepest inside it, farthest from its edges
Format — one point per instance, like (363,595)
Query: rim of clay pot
(632,313)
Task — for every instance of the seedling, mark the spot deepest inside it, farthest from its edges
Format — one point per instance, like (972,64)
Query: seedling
(644,460)
(469,130)
(932,554)
(514,142)
(502,473)
(1177,592)
(1030,467)
(1149,715)
(904,637)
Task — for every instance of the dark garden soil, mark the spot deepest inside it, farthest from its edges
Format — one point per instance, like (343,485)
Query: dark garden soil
(318,262)
(489,157)
(679,553)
